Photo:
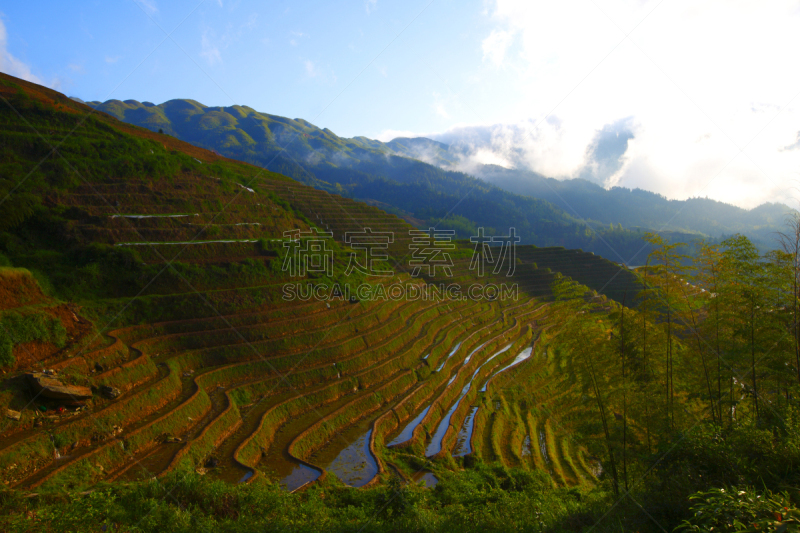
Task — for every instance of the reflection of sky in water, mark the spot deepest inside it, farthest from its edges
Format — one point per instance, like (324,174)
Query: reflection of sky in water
(301,475)
(524,354)
(409,429)
(427,478)
(473,352)
(355,465)
(526,446)
(436,442)
(454,350)
(543,446)
(463,444)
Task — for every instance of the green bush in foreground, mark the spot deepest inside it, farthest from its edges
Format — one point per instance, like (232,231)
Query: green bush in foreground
(483,499)
(742,510)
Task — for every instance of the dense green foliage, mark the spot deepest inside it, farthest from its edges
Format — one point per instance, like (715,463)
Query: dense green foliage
(16,328)
(694,390)
(53,151)
(742,510)
(483,499)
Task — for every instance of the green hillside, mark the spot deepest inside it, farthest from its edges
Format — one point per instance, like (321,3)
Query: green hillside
(181,350)
(575,213)
(372,171)
(144,266)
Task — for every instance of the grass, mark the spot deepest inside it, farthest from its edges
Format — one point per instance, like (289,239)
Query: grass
(554,454)
(536,451)
(217,310)
(27,326)
(196,450)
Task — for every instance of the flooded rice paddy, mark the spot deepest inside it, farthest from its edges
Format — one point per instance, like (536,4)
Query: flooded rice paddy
(464,440)
(436,441)
(347,455)
(408,430)
(523,355)
(526,446)
(425,477)
(299,476)
(449,355)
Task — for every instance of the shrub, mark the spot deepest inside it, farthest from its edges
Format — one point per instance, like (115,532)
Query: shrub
(16,328)
(6,352)
(744,509)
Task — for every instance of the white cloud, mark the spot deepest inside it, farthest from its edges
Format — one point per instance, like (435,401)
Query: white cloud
(446,105)
(491,157)
(213,43)
(10,64)
(296,36)
(795,145)
(370,5)
(209,50)
(112,59)
(496,45)
(388,135)
(701,81)
(149,6)
(320,73)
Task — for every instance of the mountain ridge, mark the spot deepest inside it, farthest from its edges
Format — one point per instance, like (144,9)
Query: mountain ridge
(571,193)
(398,174)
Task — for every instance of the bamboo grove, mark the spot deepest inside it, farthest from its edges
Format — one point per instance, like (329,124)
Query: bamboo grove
(711,341)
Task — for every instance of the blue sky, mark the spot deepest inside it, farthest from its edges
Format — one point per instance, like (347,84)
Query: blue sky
(704,92)
(355,67)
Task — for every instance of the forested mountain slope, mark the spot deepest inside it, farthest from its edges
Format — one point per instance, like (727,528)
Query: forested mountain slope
(373,171)
(635,208)
(397,175)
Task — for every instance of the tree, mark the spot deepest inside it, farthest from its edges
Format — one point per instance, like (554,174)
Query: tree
(668,272)
(707,280)
(753,296)
(790,243)
(586,340)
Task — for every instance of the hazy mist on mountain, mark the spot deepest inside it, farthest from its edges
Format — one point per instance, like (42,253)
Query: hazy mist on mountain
(433,181)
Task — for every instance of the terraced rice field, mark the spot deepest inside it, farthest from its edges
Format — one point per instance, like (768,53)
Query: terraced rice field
(239,384)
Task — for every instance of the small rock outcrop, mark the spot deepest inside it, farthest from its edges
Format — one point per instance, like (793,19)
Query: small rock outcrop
(109,392)
(46,385)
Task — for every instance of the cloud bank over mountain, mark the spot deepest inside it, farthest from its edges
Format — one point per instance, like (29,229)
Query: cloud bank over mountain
(608,92)
(544,151)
